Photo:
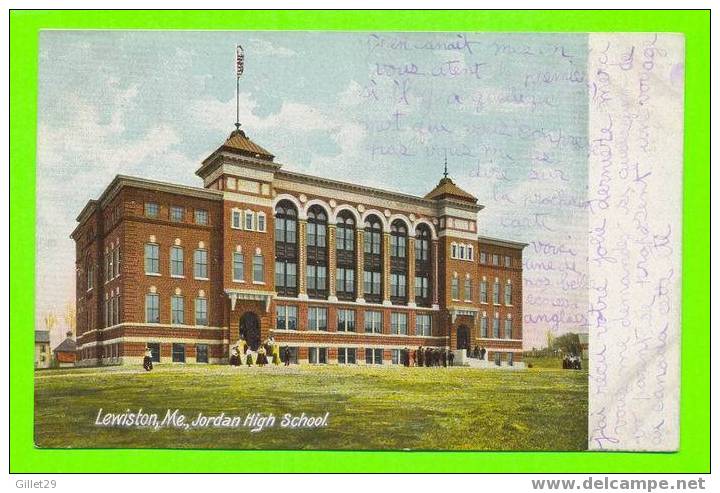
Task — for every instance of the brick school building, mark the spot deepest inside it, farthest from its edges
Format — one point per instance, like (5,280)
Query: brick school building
(335,271)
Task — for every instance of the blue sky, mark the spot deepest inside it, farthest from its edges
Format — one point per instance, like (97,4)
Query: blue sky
(380,109)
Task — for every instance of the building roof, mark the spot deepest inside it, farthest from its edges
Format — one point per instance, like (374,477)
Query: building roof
(241,143)
(447,189)
(502,243)
(42,336)
(67,346)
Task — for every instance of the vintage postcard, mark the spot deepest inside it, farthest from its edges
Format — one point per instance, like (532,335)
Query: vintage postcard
(358,240)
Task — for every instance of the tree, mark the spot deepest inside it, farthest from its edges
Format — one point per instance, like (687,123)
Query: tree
(50,321)
(569,343)
(70,316)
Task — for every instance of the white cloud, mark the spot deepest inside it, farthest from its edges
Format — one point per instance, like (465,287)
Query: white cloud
(266,48)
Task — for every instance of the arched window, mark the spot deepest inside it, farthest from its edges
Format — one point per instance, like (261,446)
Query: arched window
(286,252)
(345,256)
(398,262)
(423,266)
(317,256)
(372,276)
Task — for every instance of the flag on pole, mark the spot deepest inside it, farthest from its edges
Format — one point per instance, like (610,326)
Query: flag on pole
(240,60)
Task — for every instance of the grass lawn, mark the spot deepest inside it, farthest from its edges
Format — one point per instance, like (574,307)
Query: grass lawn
(370,407)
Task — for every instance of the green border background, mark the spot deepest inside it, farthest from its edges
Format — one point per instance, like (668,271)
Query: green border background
(694,454)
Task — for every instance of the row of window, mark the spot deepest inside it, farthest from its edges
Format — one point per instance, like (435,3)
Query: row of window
(177,310)
(177,261)
(177,353)
(508,329)
(111,310)
(112,264)
(461,251)
(176,213)
(495,259)
(348,356)
(287,319)
(249,220)
(467,293)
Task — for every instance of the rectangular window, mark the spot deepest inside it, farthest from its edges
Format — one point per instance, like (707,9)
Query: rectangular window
(345,239)
(346,321)
(496,293)
(249,220)
(152,308)
(317,318)
(152,258)
(395,357)
(397,284)
(155,351)
(258,269)
(261,222)
(201,353)
(398,323)
(201,216)
(422,287)
(483,292)
(373,322)
(496,328)
(317,355)
(455,289)
(201,314)
(372,282)
(116,262)
(316,277)
(286,317)
(423,324)
(176,261)
(508,261)
(201,264)
(238,266)
(508,294)
(346,356)
(483,327)
(483,257)
(236,219)
(116,311)
(177,307)
(345,280)
(90,277)
(508,328)
(373,356)
(177,213)
(496,259)
(178,353)
(468,290)
(152,209)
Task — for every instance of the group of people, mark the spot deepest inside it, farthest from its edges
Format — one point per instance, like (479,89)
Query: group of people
(572,362)
(241,350)
(427,357)
(477,353)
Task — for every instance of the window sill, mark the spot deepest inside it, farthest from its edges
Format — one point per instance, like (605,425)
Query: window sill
(260,283)
(173,276)
(202,278)
(242,281)
(154,274)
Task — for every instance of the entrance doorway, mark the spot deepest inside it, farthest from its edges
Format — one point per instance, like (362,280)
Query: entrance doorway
(463,338)
(250,330)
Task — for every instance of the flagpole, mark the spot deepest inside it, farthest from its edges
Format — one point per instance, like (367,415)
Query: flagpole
(239,68)
(237,104)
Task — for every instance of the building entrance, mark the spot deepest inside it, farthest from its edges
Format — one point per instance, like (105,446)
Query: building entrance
(463,338)
(250,330)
